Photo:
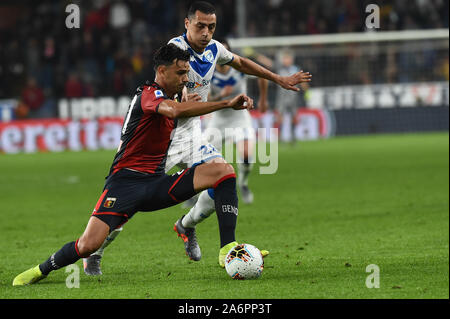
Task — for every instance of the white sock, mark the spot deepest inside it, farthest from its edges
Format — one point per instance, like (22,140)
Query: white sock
(108,241)
(202,209)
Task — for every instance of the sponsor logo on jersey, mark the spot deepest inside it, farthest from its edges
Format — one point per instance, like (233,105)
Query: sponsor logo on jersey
(195,85)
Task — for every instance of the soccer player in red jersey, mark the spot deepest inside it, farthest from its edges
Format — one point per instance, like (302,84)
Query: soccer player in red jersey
(137,181)
(189,146)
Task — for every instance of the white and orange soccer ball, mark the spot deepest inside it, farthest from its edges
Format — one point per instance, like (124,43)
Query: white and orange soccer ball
(244,261)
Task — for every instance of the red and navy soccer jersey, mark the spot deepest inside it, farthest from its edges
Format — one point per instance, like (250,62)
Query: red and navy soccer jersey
(146,134)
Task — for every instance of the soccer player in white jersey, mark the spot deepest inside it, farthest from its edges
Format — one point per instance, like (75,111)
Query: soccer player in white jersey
(188,147)
(228,82)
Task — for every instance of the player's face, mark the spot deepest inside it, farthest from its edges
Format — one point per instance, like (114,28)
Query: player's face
(176,76)
(200,30)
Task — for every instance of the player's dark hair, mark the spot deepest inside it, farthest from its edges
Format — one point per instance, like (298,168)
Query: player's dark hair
(168,54)
(202,6)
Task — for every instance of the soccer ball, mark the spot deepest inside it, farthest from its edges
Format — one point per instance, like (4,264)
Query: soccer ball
(244,261)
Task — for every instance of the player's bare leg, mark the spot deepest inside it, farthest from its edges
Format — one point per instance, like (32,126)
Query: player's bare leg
(94,235)
(185,228)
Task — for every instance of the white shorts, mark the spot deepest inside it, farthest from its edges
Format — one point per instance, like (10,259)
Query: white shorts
(191,153)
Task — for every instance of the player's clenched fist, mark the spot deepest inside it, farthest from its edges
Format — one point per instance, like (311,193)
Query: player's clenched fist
(241,102)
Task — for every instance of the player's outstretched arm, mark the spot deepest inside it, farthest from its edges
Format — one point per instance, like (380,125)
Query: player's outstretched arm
(174,109)
(247,66)
(263,85)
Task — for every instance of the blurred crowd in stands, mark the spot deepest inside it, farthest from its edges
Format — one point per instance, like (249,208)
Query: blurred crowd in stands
(286,17)
(42,60)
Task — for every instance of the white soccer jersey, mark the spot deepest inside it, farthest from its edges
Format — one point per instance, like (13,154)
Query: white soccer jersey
(225,119)
(203,64)
(238,81)
(187,145)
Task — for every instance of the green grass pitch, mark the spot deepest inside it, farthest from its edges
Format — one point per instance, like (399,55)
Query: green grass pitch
(333,208)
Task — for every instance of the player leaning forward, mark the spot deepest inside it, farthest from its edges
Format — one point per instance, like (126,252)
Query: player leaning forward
(188,147)
(137,181)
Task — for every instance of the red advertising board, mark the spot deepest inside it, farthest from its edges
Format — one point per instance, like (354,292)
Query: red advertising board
(57,135)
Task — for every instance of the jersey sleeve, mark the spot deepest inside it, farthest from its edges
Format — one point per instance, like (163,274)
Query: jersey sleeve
(224,56)
(178,42)
(151,98)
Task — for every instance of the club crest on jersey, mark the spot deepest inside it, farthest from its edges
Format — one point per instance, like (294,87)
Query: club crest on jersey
(109,202)
(159,94)
(209,56)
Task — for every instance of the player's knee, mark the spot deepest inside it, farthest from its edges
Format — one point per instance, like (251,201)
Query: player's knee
(86,247)
(224,170)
